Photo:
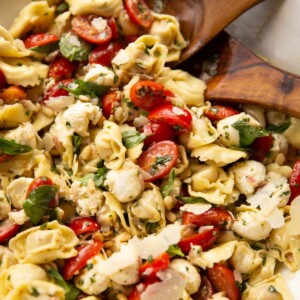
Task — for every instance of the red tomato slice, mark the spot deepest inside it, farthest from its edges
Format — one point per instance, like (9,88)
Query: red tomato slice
(214,216)
(219,112)
(61,67)
(103,54)
(261,147)
(85,252)
(40,39)
(222,279)
(148,270)
(114,28)
(8,229)
(92,28)
(4,157)
(3,82)
(148,95)
(158,131)
(109,103)
(179,118)
(158,160)
(57,90)
(294,181)
(204,239)
(82,225)
(139,12)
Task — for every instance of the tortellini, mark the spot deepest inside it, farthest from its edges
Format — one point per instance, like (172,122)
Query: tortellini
(166,27)
(7,258)
(100,74)
(4,206)
(43,244)
(292,133)
(13,115)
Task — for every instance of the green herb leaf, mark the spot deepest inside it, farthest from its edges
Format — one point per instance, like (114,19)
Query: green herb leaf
(132,138)
(73,47)
(280,128)
(175,250)
(161,160)
(167,187)
(191,200)
(13,148)
(62,8)
(247,133)
(98,177)
(87,88)
(71,291)
(76,140)
(37,203)
(46,49)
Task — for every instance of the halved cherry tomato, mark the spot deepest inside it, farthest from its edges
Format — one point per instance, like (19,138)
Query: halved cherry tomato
(261,147)
(82,225)
(40,39)
(13,94)
(204,239)
(114,28)
(214,216)
(103,54)
(92,28)
(109,102)
(61,67)
(158,131)
(3,82)
(222,279)
(148,95)
(127,39)
(8,229)
(158,160)
(179,118)
(294,181)
(4,157)
(205,291)
(148,270)
(219,112)
(139,12)
(56,90)
(84,253)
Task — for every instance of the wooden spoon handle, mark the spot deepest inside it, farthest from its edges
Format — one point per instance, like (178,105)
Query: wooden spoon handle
(244,78)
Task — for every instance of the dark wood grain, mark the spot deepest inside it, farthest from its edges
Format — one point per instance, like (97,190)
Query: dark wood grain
(201,20)
(243,77)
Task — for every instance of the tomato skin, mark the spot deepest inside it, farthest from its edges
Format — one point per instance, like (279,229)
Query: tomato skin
(215,216)
(294,181)
(61,68)
(82,225)
(205,291)
(173,115)
(158,132)
(204,239)
(83,26)
(222,279)
(8,230)
(114,28)
(261,147)
(148,95)
(3,82)
(139,12)
(85,252)
(5,157)
(40,39)
(56,90)
(127,39)
(103,54)
(13,94)
(165,152)
(219,112)
(109,102)
(148,270)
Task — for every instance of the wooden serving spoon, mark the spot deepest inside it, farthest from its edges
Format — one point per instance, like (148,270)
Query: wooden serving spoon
(201,20)
(243,77)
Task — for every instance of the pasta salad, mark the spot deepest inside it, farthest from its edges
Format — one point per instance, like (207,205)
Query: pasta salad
(119,181)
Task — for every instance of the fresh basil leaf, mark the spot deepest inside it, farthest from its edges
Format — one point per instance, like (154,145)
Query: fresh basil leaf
(76,140)
(37,203)
(167,187)
(13,148)
(248,133)
(47,49)
(61,8)
(73,47)
(280,128)
(98,177)
(87,88)
(71,291)
(191,200)
(132,138)
(175,250)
